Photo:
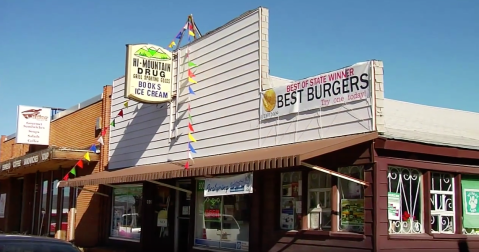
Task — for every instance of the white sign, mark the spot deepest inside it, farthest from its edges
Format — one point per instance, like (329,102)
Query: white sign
(338,87)
(148,73)
(394,206)
(239,184)
(3,199)
(33,125)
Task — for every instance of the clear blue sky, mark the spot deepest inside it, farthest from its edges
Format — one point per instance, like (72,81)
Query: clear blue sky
(60,52)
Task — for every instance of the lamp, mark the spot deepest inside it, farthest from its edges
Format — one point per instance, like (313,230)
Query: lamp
(315,218)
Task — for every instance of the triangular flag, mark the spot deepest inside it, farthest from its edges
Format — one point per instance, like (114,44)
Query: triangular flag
(79,164)
(191,148)
(100,140)
(120,114)
(191,80)
(172,44)
(191,64)
(191,27)
(178,36)
(125,104)
(58,183)
(185,27)
(65,177)
(187,165)
(87,156)
(73,171)
(190,117)
(189,108)
(93,148)
(191,91)
(190,156)
(191,74)
(191,127)
(113,123)
(103,132)
(192,139)
(191,33)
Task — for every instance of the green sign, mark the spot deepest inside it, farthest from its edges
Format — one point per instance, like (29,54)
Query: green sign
(470,202)
(200,186)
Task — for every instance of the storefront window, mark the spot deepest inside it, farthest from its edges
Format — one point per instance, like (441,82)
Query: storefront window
(319,200)
(53,209)
(126,212)
(65,208)
(470,206)
(222,221)
(404,201)
(442,203)
(43,220)
(351,200)
(290,216)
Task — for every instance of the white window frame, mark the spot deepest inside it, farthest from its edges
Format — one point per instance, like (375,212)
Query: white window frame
(440,195)
(403,226)
(319,190)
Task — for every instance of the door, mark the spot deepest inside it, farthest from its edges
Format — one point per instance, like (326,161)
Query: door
(183,204)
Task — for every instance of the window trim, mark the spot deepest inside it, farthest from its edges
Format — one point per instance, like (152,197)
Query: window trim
(441,213)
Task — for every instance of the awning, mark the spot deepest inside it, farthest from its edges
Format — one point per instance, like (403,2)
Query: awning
(264,158)
(43,160)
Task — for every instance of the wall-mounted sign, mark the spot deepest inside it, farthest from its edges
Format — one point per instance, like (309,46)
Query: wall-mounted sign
(148,73)
(29,159)
(33,125)
(239,184)
(334,88)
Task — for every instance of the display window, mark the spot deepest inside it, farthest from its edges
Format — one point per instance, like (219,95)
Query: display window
(126,212)
(223,218)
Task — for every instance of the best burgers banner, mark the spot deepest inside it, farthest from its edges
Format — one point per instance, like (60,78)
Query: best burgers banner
(342,86)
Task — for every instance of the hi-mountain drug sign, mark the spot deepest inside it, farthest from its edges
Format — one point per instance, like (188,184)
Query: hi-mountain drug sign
(148,73)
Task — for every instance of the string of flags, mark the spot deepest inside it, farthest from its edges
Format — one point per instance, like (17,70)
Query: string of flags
(86,156)
(178,36)
(191,80)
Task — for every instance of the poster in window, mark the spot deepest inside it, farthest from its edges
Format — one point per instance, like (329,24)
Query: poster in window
(3,199)
(470,201)
(394,206)
(212,209)
(352,212)
(287,213)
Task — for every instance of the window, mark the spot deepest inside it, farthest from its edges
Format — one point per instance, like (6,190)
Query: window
(65,208)
(126,212)
(442,203)
(53,208)
(319,200)
(404,201)
(222,221)
(290,216)
(470,206)
(42,221)
(351,200)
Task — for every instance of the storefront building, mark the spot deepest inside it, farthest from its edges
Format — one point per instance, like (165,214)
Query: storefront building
(234,159)
(30,200)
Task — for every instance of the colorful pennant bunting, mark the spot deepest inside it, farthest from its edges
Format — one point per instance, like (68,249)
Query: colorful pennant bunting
(93,148)
(190,156)
(191,148)
(73,171)
(113,123)
(191,127)
(172,44)
(79,164)
(190,80)
(120,113)
(191,74)
(66,176)
(187,165)
(191,64)
(190,117)
(100,140)
(191,91)
(191,33)
(192,139)
(87,156)
(125,104)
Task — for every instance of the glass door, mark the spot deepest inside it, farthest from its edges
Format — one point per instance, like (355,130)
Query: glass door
(183,217)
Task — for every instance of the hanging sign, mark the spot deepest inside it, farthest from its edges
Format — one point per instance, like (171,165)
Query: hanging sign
(33,125)
(338,87)
(239,184)
(148,73)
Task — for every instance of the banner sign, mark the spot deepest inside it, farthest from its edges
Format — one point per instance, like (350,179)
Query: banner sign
(470,202)
(148,73)
(338,87)
(239,184)
(33,125)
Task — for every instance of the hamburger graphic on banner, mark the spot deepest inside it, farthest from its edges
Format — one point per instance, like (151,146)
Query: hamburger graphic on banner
(148,73)
(336,88)
(33,125)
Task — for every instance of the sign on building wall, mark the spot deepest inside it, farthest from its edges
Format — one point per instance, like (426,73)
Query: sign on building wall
(342,86)
(470,201)
(239,184)
(33,125)
(148,73)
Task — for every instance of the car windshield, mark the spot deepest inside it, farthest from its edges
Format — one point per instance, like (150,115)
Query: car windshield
(29,246)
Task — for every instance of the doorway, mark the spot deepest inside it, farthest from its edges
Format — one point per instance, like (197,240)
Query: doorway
(183,203)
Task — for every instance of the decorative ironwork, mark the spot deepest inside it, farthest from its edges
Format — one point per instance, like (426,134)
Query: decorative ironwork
(442,203)
(408,183)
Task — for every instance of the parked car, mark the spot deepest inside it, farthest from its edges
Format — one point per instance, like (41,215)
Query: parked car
(26,243)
